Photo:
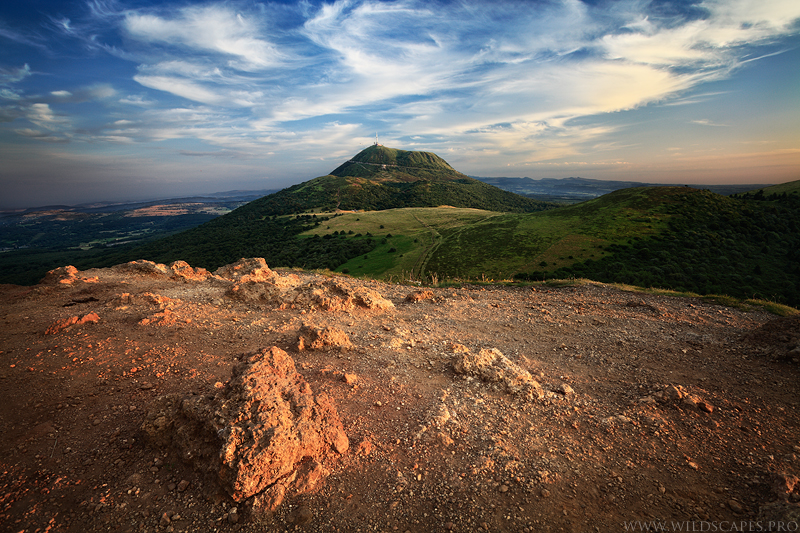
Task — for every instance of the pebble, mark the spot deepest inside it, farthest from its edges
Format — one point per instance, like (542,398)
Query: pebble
(545,493)
(503,488)
(183,485)
(565,389)
(735,506)
(304,516)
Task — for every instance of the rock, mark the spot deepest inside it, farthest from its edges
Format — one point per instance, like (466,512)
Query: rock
(689,400)
(565,389)
(255,282)
(780,512)
(735,506)
(183,485)
(65,275)
(443,439)
(165,521)
(503,488)
(705,406)
(303,516)
(66,323)
(143,267)
(322,338)
(364,447)
(672,394)
(418,296)
(265,434)
(782,484)
(458,348)
(350,379)
(182,270)
(491,366)
(246,269)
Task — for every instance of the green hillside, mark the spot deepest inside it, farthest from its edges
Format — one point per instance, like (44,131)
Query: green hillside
(667,237)
(773,192)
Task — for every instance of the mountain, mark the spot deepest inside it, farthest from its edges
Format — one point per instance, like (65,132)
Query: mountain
(380,178)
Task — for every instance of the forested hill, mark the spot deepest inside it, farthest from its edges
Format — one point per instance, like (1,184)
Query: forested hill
(746,246)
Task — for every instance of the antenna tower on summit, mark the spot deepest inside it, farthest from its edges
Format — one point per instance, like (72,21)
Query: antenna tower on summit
(376,139)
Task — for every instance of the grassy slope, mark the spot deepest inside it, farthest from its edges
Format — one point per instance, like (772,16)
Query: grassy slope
(791,187)
(671,237)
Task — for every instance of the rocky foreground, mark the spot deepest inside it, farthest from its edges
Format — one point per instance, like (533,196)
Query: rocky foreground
(150,398)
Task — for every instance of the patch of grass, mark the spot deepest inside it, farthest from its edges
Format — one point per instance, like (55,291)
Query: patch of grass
(775,308)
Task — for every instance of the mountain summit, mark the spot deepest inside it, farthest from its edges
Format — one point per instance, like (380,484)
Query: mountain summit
(382,163)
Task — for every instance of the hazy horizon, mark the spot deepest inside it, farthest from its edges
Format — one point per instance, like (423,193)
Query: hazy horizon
(110,100)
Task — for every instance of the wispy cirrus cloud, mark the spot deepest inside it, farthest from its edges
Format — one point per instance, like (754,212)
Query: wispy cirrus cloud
(209,28)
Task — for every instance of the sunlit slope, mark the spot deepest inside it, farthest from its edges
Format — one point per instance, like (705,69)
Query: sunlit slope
(474,244)
(669,237)
(775,191)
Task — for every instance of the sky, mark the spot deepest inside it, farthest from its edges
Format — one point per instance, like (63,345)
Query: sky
(126,100)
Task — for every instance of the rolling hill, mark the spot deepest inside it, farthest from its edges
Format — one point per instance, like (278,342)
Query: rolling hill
(669,237)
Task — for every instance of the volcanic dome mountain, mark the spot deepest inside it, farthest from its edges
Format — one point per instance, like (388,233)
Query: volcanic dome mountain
(380,178)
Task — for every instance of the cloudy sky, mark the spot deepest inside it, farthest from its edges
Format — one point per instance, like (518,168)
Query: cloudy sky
(116,100)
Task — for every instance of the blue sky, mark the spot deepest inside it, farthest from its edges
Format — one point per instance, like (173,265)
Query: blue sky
(116,100)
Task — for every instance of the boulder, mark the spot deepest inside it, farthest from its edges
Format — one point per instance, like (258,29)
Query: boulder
(491,366)
(65,275)
(255,282)
(263,435)
(314,338)
(246,269)
(143,267)
(183,270)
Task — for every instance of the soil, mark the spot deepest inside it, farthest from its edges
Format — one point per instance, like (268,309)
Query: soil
(652,408)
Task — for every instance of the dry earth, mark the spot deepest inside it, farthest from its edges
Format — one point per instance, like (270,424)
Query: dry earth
(582,408)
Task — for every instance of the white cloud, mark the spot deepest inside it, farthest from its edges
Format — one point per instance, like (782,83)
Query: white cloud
(209,28)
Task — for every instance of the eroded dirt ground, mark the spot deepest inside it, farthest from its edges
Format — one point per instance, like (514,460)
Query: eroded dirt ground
(655,408)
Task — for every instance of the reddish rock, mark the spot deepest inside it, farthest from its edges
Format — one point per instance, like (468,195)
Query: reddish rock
(313,338)
(418,296)
(65,275)
(65,323)
(492,366)
(143,267)
(265,435)
(182,270)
